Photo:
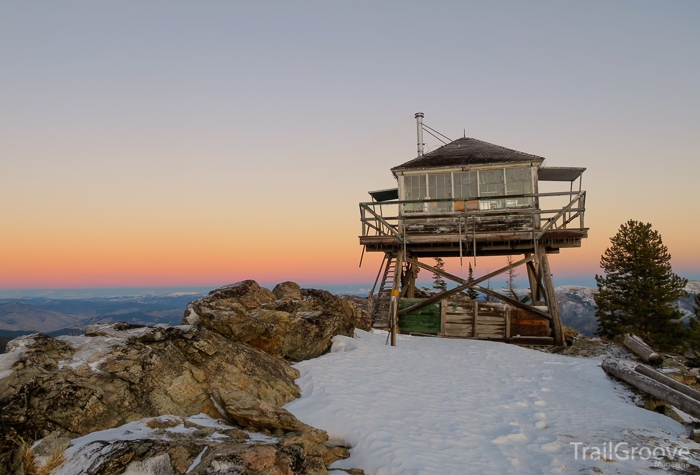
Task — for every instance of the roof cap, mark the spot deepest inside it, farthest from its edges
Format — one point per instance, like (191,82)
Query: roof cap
(467,151)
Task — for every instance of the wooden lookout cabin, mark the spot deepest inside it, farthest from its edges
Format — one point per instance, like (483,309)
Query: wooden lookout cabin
(469,199)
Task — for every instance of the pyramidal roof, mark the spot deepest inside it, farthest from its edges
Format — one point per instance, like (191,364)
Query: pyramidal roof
(467,151)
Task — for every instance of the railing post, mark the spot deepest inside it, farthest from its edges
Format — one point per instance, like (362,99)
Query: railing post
(362,219)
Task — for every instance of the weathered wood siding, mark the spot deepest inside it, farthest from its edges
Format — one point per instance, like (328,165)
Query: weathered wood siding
(494,321)
(476,320)
(524,323)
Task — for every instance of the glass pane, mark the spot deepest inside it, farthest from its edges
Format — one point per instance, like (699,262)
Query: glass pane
(414,189)
(440,187)
(491,182)
(465,185)
(519,182)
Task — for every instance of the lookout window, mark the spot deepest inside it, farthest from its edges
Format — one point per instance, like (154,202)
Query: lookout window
(518,182)
(491,183)
(440,187)
(414,189)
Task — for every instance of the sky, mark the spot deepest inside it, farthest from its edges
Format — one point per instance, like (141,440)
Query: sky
(175,144)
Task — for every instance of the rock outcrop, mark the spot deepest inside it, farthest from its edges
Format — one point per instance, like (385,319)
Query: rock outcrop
(289,322)
(229,362)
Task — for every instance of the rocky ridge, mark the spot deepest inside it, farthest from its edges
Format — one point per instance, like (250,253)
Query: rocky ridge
(204,397)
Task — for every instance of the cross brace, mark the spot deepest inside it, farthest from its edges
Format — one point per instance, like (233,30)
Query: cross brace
(466,284)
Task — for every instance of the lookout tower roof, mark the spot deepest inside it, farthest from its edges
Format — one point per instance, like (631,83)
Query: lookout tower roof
(467,151)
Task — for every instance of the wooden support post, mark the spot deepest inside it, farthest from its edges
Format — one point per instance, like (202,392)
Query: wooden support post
(443,316)
(412,282)
(534,279)
(552,305)
(508,324)
(405,279)
(476,318)
(394,306)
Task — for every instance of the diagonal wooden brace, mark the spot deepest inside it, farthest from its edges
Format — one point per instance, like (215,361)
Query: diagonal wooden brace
(513,302)
(459,280)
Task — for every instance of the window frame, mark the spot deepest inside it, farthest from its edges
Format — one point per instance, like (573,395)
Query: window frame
(484,202)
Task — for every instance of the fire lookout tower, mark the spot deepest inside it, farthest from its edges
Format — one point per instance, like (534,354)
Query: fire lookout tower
(469,199)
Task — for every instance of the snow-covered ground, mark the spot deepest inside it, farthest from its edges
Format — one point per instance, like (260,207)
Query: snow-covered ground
(441,406)
(85,451)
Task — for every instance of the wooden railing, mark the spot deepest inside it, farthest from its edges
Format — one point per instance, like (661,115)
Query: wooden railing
(390,218)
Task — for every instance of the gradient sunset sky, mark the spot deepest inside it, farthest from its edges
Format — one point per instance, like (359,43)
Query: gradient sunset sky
(201,143)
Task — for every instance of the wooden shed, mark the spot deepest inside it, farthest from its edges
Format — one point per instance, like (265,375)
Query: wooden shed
(467,199)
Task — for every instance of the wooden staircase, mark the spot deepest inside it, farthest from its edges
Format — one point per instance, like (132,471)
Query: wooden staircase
(380,301)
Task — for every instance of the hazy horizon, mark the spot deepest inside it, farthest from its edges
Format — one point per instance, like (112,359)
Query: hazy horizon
(349,288)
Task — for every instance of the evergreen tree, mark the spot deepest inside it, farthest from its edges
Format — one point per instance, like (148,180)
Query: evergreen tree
(488,298)
(637,292)
(510,283)
(472,294)
(439,283)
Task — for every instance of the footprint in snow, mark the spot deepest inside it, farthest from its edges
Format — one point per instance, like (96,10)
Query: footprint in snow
(551,447)
(541,424)
(504,439)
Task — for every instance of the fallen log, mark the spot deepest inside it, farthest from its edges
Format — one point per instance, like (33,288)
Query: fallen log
(662,378)
(652,387)
(637,346)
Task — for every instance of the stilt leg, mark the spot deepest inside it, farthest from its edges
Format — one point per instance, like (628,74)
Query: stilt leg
(394,307)
(412,282)
(534,279)
(557,327)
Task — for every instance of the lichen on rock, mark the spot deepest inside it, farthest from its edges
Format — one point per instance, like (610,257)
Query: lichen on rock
(289,322)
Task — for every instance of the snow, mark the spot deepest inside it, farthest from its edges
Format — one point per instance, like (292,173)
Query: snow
(197,460)
(450,406)
(83,451)
(693,286)
(584,293)
(15,351)
(90,350)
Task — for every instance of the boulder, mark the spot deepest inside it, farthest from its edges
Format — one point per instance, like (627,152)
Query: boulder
(287,291)
(169,445)
(67,387)
(289,322)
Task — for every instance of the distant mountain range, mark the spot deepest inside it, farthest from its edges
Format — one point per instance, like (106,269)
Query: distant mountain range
(71,316)
(66,316)
(577,307)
